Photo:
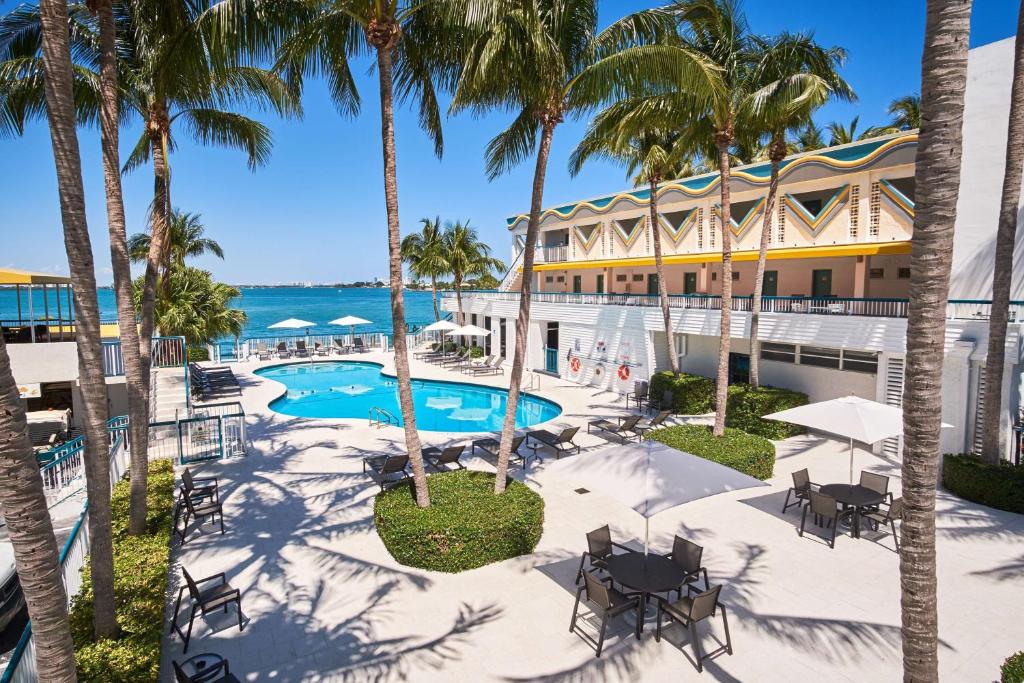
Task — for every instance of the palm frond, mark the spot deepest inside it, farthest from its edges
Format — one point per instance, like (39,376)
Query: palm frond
(231,130)
(512,146)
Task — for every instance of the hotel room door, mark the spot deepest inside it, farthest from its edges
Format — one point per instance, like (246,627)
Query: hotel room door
(600,283)
(821,284)
(689,283)
(770,286)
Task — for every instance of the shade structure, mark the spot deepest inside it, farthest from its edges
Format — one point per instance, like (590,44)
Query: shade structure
(291,324)
(441,326)
(349,320)
(470,331)
(651,477)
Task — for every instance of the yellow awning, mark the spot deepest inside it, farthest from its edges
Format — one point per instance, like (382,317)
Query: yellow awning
(11,276)
(828,251)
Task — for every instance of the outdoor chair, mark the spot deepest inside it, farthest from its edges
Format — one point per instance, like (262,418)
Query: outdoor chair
(198,488)
(607,602)
(320,350)
(359,346)
(197,511)
(878,483)
(490,446)
(826,512)
(653,423)
(457,359)
(887,517)
(385,466)
(561,443)
(218,673)
(300,349)
(262,352)
(691,610)
(216,596)
(492,366)
(687,556)
(340,347)
(600,547)
(640,395)
(801,489)
(282,350)
(666,401)
(449,456)
(624,427)
(483,367)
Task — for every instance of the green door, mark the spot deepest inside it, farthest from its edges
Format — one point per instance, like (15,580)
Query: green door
(652,284)
(577,284)
(689,283)
(821,284)
(770,286)
(600,283)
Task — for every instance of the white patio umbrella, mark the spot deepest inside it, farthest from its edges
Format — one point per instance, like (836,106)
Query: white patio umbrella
(350,321)
(651,478)
(294,324)
(470,331)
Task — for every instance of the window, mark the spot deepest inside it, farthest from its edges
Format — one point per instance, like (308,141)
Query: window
(860,361)
(638,277)
(714,275)
(876,273)
(621,278)
(903,273)
(785,353)
(549,278)
(560,278)
(735,276)
(820,356)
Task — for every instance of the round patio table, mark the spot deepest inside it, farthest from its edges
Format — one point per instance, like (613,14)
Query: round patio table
(853,496)
(202,667)
(645,574)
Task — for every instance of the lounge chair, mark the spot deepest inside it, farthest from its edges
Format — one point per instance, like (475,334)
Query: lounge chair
(217,671)
(300,349)
(321,350)
(653,423)
(600,547)
(215,597)
(641,394)
(623,428)
(458,359)
(687,556)
(608,603)
(561,443)
(471,363)
(826,512)
(491,446)
(887,517)
(359,346)
(691,610)
(341,347)
(492,366)
(262,352)
(282,350)
(801,489)
(385,466)
(449,456)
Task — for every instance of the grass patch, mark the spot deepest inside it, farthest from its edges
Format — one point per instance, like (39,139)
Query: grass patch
(997,486)
(466,525)
(747,453)
(140,586)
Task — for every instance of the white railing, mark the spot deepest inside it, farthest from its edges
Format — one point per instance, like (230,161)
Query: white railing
(557,253)
(212,431)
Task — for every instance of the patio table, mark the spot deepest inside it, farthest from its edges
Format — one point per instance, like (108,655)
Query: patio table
(853,496)
(202,667)
(645,574)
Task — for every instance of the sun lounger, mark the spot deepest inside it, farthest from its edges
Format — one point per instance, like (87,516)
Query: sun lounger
(262,352)
(282,350)
(490,446)
(622,428)
(449,456)
(653,423)
(320,350)
(491,366)
(300,349)
(359,346)
(385,466)
(341,347)
(561,443)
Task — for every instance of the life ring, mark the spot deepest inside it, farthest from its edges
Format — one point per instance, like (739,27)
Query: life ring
(575,364)
(623,372)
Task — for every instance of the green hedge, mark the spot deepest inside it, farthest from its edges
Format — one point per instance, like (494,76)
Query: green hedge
(691,394)
(998,486)
(1012,670)
(466,525)
(474,351)
(748,453)
(197,354)
(746,405)
(140,587)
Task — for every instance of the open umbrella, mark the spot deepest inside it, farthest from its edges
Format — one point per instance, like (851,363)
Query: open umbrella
(651,478)
(351,321)
(294,324)
(442,326)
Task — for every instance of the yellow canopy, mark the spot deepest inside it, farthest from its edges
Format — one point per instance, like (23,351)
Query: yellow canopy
(11,276)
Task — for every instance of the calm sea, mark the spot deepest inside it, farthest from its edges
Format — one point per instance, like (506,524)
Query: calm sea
(266,306)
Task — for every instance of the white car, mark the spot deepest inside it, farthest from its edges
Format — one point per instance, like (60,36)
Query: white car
(11,597)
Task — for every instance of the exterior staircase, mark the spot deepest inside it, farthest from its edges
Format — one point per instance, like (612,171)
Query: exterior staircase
(170,402)
(514,276)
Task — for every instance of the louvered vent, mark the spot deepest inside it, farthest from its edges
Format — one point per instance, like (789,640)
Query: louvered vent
(893,397)
(979,411)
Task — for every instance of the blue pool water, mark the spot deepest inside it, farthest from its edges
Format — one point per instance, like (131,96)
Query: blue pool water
(350,389)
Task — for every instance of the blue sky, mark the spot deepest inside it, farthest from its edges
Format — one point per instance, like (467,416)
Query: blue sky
(316,212)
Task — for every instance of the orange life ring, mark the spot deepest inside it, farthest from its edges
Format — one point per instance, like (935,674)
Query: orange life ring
(575,364)
(623,372)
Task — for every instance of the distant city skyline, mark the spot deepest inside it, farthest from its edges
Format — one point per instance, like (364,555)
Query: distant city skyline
(316,212)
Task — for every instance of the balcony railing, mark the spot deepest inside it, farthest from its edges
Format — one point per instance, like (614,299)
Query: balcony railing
(558,253)
(958,309)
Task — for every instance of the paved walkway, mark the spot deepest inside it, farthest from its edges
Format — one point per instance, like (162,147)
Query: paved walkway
(324,601)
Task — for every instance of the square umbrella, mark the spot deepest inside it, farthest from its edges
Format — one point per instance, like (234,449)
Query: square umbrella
(294,324)
(442,326)
(350,321)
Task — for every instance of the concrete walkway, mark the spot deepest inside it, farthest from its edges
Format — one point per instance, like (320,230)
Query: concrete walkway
(324,601)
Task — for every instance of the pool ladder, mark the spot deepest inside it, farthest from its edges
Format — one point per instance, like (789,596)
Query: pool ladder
(380,417)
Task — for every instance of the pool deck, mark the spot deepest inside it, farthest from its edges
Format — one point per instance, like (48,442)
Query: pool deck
(324,601)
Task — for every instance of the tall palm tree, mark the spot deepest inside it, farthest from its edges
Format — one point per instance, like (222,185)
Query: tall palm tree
(424,253)
(31,533)
(1006,236)
(844,134)
(186,238)
(795,76)
(906,112)
(808,138)
(466,257)
(60,106)
(937,177)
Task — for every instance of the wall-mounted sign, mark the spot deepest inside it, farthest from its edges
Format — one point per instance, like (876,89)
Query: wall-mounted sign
(30,390)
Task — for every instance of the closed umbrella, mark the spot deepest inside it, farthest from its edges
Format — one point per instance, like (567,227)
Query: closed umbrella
(350,321)
(294,324)
(651,478)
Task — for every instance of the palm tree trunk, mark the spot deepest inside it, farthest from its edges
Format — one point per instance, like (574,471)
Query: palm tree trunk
(412,437)
(723,141)
(523,321)
(458,298)
(31,533)
(659,269)
(943,82)
(433,297)
(1006,235)
(61,116)
(776,154)
(138,410)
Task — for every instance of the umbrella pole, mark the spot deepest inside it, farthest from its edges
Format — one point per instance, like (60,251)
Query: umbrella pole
(851,460)
(647,534)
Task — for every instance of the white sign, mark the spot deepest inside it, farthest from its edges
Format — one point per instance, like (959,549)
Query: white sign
(30,390)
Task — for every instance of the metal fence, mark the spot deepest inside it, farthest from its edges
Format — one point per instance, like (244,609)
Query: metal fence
(211,432)
(168,352)
(269,344)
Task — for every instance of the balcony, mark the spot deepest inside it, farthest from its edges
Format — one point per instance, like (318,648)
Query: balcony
(558,253)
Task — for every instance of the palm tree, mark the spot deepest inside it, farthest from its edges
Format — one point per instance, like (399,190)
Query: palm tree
(809,137)
(795,76)
(906,112)
(186,238)
(60,106)
(196,307)
(466,256)
(423,251)
(31,533)
(840,134)
(1006,235)
(943,82)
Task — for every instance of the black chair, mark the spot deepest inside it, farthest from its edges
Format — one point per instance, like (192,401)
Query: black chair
(282,350)
(653,423)
(359,346)
(879,483)
(300,349)
(449,456)
(600,547)
(887,517)
(607,602)
(666,401)
(801,489)
(691,610)
(216,596)
(198,488)
(687,556)
(826,512)
(490,446)
(197,510)
(625,427)
(561,443)
(385,466)
(220,672)
(641,394)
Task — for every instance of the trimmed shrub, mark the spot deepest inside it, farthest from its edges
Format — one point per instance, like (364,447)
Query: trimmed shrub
(466,525)
(140,586)
(476,352)
(746,405)
(197,354)
(747,453)
(691,394)
(1012,670)
(998,486)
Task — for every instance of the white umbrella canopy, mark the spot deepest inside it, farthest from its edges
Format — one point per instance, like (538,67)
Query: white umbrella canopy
(349,320)
(441,326)
(651,478)
(469,331)
(291,324)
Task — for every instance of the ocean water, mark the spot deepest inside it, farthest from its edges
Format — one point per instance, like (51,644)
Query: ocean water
(266,306)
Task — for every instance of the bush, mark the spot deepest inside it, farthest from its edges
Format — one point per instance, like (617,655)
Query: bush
(140,570)
(746,405)
(691,394)
(999,486)
(197,354)
(747,453)
(466,525)
(1012,670)
(476,352)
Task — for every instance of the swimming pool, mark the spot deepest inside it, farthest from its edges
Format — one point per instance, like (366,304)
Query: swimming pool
(350,389)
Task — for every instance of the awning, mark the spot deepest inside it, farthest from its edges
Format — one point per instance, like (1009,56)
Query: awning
(11,276)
